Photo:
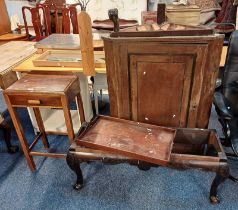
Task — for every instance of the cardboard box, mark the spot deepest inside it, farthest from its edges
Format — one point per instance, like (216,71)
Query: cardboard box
(186,15)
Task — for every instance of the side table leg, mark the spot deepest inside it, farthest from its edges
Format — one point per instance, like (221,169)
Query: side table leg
(74,164)
(221,176)
(68,118)
(41,127)
(20,133)
(95,93)
(80,108)
(7,137)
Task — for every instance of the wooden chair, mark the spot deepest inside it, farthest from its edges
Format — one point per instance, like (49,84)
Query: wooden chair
(226,19)
(5,127)
(56,19)
(6,34)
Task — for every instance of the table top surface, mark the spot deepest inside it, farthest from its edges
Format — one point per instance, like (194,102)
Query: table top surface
(66,41)
(42,83)
(27,66)
(11,36)
(12,53)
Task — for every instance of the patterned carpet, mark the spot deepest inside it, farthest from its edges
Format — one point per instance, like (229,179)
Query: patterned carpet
(106,186)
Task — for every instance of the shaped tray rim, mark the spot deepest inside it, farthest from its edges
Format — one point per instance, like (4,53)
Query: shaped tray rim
(112,150)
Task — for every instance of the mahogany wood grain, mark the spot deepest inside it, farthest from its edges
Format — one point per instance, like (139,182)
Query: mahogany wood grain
(206,154)
(61,17)
(136,140)
(154,71)
(36,21)
(55,2)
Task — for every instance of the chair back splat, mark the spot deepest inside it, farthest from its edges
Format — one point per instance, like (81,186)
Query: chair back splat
(50,18)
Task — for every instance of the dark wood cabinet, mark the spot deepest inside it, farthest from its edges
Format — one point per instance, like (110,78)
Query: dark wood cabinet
(166,81)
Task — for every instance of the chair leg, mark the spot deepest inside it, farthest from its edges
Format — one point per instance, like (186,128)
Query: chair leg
(74,164)
(96,101)
(7,137)
(234,146)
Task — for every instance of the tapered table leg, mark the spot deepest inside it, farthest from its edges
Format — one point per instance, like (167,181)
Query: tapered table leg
(68,118)
(41,127)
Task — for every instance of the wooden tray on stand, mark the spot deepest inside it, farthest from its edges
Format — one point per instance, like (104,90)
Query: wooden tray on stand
(114,141)
(136,140)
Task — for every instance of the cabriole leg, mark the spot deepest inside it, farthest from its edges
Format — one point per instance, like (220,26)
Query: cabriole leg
(74,164)
(221,176)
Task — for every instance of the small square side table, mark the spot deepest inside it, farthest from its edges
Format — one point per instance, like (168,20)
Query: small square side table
(43,91)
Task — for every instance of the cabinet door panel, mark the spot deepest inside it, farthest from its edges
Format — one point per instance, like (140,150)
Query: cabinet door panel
(160,88)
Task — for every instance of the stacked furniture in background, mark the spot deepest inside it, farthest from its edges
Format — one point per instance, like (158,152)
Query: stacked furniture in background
(56,19)
(6,34)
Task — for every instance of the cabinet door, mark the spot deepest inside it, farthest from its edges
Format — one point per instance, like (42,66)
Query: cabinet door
(160,88)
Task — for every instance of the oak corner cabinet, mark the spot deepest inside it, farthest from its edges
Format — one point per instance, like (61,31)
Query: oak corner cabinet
(167,81)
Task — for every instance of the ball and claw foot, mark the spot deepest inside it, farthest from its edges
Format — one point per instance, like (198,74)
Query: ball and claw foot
(78,187)
(214,200)
(13,149)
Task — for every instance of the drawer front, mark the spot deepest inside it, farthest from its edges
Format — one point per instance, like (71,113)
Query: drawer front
(35,100)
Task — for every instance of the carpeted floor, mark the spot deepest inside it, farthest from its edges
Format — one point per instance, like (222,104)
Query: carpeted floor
(106,186)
